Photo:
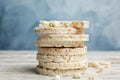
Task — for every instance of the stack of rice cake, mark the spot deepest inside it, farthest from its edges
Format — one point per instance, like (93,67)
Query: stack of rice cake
(61,47)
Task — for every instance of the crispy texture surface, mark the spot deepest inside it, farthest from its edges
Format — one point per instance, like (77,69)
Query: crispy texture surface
(65,65)
(46,43)
(62,51)
(65,24)
(61,59)
(68,72)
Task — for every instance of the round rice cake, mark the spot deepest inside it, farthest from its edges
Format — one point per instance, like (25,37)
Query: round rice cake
(65,24)
(61,59)
(65,65)
(53,72)
(49,30)
(62,51)
(70,43)
(64,37)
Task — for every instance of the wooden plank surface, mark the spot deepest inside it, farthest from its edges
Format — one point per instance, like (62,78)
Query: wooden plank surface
(20,65)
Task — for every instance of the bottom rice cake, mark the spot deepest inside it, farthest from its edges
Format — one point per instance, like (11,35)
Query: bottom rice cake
(69,43)
(65,65)
(62,51)
(61,59)
(53,72)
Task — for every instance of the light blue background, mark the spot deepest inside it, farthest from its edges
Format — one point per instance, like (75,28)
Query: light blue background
(19,17)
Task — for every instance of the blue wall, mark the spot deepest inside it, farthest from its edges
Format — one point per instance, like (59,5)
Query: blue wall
(19,17)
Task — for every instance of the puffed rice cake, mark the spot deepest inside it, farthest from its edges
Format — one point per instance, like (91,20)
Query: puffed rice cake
(65,65)
(67,72)
(61,59)
(62,51)
(65,24)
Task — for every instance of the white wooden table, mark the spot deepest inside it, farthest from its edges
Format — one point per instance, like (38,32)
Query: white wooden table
(20,65)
